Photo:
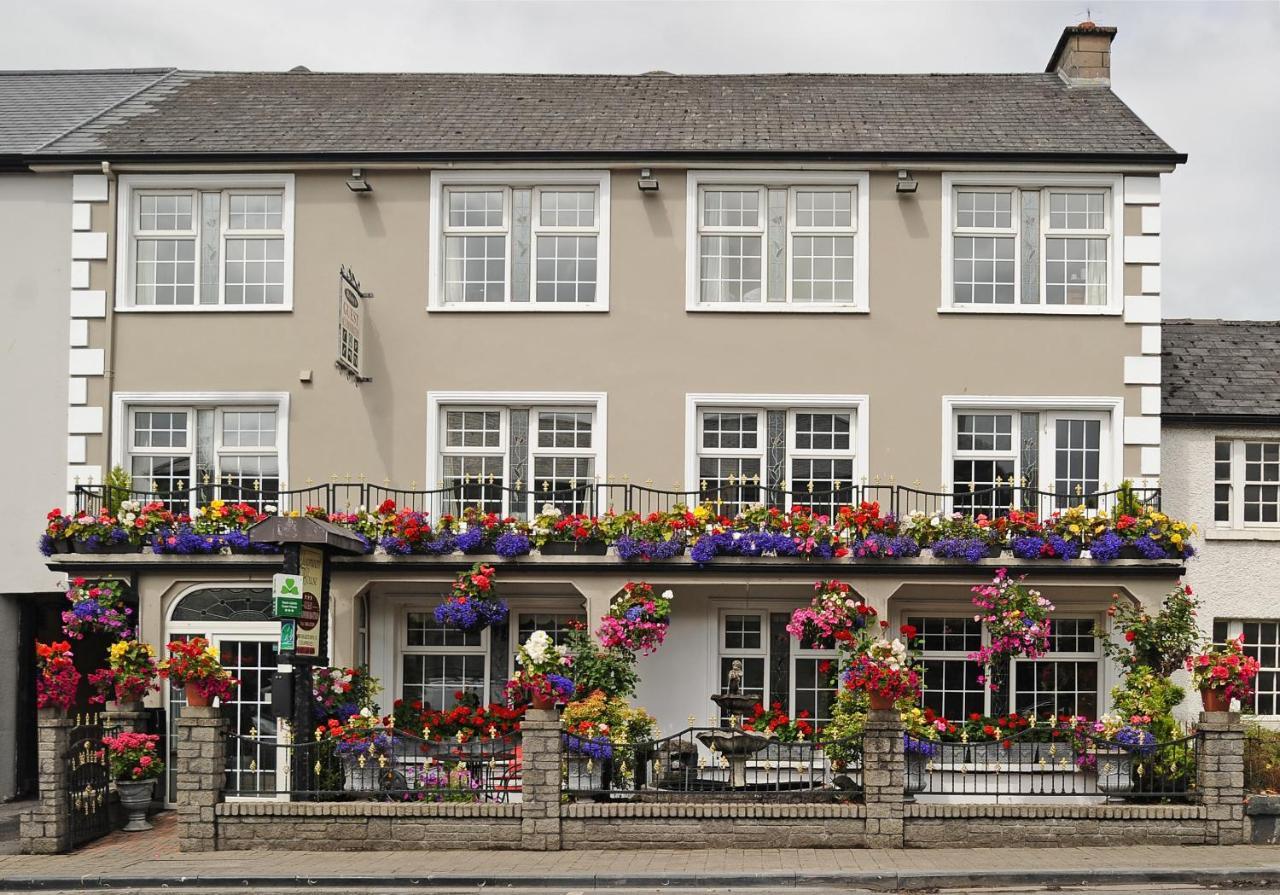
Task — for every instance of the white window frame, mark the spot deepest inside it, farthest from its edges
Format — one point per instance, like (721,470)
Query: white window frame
(534,606)
(403,648)
(439,402)
(506,180)
(722,652)
(764,180)
(124,403)
(1110,411)
(945,610)
(1235,627)
(696,403)
(194,184)
(1101,688)
(800,653)
(1236,520)
(1045,184)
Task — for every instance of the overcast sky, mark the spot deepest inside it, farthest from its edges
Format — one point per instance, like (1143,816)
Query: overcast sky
(1203,75)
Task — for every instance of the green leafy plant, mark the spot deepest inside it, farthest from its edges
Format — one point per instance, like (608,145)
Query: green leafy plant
(1160,642)
(611,671)
(1261,760)
(116,487)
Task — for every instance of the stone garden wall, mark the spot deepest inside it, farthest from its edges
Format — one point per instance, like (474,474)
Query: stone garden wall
(365,826)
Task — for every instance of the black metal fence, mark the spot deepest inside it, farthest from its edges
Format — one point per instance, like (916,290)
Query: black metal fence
(597,498)
(711,764)
(1032,765)
(87,776)
(390,767)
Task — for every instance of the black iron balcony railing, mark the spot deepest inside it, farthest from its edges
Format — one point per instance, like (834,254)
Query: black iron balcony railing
(597,498)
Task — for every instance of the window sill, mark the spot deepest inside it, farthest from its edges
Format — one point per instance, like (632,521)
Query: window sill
(203,309)
(775,308)
(518,308)
(1042,310)
(1242,534)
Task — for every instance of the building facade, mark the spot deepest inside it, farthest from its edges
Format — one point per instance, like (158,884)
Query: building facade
(764,288)
(1222,445)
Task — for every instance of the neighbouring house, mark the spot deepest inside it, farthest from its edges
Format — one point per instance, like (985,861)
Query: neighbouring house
(940,293)
(45,241)
(1221,412)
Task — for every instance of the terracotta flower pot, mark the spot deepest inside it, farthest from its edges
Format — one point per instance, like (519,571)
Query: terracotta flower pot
(880,702)
(542,702)
(1215,700)
(196,698)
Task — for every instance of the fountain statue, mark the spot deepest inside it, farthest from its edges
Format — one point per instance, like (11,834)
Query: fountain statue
(731,741)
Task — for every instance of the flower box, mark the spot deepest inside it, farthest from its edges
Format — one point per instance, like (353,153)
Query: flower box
(590,547)
(81,545)
(366,778)
(1114,768)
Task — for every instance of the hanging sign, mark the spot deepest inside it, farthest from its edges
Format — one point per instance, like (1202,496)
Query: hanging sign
(311,564)
(286,595)
(288,635)
(350,325)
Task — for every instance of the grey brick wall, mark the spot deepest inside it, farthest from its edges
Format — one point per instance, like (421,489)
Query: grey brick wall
(360,826)
(987,826)
(202,744)
(691,826)
(1220,776)
(46,829)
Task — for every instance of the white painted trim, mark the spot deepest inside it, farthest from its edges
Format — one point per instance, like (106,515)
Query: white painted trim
(1151,339)
(1142,309)
(1151,400)
(88,303)
(860,404)
(1142,249)
(1116,258)
(779,178)
(1108,405)
(1141,190)
(532,178)
(1150,462)
(1142,430)
(1151,219)
(1142,370)
(76,448)
(1151,279)
(598,400)
(127,183)
(89,188)
(120,401)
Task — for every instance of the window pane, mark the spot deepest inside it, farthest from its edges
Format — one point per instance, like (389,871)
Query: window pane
(566,269)
(984,209)
(255,211)
(475,208)
(984,432)
(473,428)
(255,271)
(475,268)
(822,268)
(743,632)
(731,208)
(477,482)
(166,271)
(983,486)
(567,208)
(1076,271)
(822,431)
(1077,211)
(982,269)
(159,429)
(438,679)
(165,212)
(564,429)
(822,484)
(815,688)
(1077,455)
(563,482)
(824,209)
(254,428)
(730,268)
(422,629)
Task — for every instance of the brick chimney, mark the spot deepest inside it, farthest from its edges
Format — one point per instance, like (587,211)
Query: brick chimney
(1083,54)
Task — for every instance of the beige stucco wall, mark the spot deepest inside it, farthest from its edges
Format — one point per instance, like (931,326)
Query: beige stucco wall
(647,352)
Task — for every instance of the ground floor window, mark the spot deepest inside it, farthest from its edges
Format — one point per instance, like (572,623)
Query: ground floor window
(1262,642)
(440,663)
(1066,681)
(743,639)
(952,685)
(815,678)
(556,622)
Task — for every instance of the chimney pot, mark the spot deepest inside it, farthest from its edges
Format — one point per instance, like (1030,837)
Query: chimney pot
(1083,54)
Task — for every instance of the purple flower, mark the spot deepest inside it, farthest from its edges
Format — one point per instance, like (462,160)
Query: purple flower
(630,549)
(471,615)
(882,546)
(511,544)
(1106,547)
(968,549)
(471,540)
(1151,548)
(598,749)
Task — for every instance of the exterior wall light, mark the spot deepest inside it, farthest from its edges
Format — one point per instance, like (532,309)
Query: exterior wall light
(357,184)
(906,183)
(647,183)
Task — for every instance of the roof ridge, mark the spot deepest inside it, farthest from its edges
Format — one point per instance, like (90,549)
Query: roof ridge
(101,112)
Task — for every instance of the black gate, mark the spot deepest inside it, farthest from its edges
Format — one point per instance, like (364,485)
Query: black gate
(88,781)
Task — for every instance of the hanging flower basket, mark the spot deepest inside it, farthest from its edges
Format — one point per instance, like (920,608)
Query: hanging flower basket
(471,606)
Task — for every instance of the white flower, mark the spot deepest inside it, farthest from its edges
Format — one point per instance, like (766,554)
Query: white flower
(668,595)
(269,509)
(551,510)
(365,713)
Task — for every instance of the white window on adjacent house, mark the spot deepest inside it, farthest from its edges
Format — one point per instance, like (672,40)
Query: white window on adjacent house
(439,662)
(773,453)
(516,458)
(1246,492)
(520,241)
(1001,457)
(1022,243)
(188,455)
(1262,642)
(195,243)
(1065,681)
(777,241)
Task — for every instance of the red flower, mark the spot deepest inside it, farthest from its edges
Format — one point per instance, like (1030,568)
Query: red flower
(1129,636)
(908,631)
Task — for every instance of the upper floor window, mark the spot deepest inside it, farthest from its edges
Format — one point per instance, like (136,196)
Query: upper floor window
(1000,458)
(515,457)
(775,453)
(186,455)
(197,243)
(519,241)
(1246,483)
(1021,243)
(781,241)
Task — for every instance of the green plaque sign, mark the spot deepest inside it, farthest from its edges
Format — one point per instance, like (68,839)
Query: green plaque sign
(286,595)
(288,634)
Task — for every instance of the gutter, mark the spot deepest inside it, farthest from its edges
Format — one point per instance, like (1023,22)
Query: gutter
(1223,419)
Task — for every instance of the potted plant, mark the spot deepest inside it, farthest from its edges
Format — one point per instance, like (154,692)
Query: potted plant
(135,766)
(884,672)
(832,614)
(597,731)
(96,607)
(1223,673)
(561,534)
(193,664)
(539,681)
(471,606)
(129,676)
(366,745)
(1116,746)
(59,680)
(637,620)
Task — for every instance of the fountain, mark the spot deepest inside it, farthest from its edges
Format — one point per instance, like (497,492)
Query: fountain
(734,743)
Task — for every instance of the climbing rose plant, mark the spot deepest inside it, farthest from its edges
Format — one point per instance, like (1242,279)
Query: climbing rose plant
(1017,618)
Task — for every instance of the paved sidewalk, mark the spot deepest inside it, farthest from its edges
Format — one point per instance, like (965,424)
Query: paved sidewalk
(151,860)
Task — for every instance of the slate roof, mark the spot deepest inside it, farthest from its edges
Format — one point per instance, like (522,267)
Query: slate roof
(37,107)
(1221,369)
(305,113)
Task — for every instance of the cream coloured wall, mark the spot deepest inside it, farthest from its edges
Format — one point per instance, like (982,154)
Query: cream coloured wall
(647,352)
